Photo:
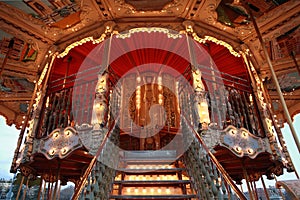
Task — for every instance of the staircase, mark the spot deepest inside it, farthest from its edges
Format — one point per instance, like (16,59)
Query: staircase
(151,175)
(197,174)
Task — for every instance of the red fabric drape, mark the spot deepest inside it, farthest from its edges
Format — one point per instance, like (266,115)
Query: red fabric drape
(143,49)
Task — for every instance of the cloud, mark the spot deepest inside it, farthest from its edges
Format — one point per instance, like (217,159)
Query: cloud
(9,136)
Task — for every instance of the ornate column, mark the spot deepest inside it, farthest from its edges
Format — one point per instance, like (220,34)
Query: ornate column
(266,115)
(274,77)
(100,109)
(200,102)
(32,116)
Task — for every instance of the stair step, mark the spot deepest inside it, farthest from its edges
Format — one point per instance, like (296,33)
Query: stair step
(151,175)
(151,171)
(161,155)
(153,182)
(160,197)
(148,161)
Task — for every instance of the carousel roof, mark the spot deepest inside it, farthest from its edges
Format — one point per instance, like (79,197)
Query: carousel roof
(32,30)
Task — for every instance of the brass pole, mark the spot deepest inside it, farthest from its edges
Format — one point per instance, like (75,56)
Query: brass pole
(24,194)
(44,189)
(297,175)
(26,120)
(265,189)
(58,192)
(229,190)
(285,109)
(52,190)
(256,194)
(49,189)
(242,188)
(277,129)
(24,126)
(279,190)
(252,189)
(56,184)
(40,189)
(20,187)
(247,182)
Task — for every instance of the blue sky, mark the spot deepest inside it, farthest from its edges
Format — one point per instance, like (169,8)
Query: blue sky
(9,136)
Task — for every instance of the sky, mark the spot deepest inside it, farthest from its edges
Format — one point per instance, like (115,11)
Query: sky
(9,136)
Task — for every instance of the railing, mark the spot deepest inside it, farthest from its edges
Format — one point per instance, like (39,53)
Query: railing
(110,154)
(210,180)
(230,102)
(70,100)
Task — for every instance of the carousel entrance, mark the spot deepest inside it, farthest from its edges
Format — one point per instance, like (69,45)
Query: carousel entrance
(149,112)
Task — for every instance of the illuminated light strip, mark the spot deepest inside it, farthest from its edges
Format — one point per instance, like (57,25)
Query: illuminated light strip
(189,29)
(40,81)
(215,40)
(75,44)
(85,40)
(149,30)
(226,45)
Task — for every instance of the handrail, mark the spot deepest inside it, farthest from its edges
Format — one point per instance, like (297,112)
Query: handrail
(93,162)
(216,162)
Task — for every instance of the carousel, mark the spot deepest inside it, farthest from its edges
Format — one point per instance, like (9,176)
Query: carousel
(151,100)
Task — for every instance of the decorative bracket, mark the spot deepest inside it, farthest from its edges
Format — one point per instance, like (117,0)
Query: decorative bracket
(242,143)
(60,143)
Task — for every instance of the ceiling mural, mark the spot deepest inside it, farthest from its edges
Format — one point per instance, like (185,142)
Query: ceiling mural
(234,13)
(54,13)
(20,4)
(17,85)
(16,49)
(288,82)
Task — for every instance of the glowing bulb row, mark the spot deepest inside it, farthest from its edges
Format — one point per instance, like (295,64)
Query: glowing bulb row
(150,167)
(138,97)
(155,190)
(149,30)
(149,177)
(215,40)
(160,96)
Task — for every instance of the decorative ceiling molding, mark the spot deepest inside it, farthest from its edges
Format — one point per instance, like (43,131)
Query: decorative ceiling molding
(274,22)
(204,29)
(12,114)
(208,12)
(40,30)
(174,25)
(123,9)
(94,31)
(23,22)
(275,16)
